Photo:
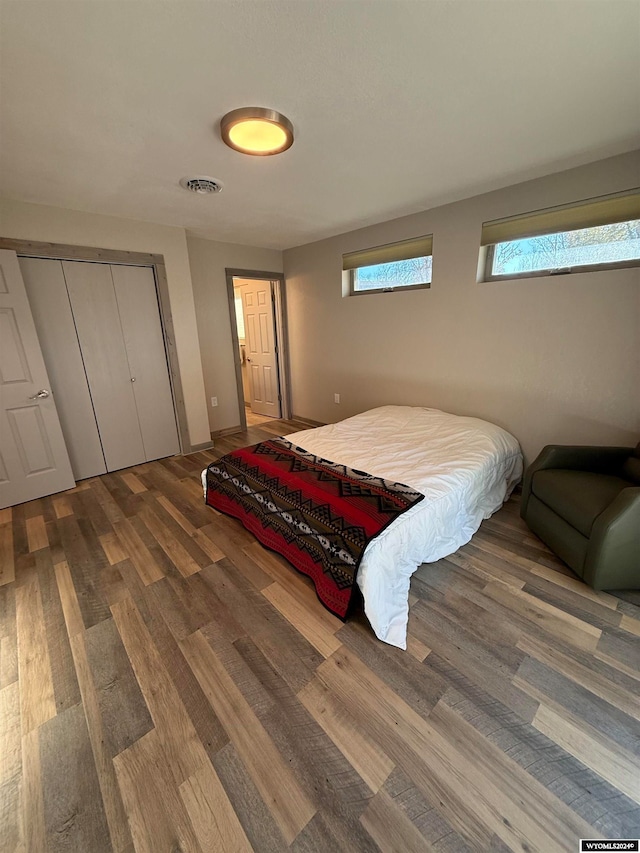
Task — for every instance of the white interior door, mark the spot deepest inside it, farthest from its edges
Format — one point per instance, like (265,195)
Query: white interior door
(262,357)
(33,456)
(95,310)
(47,292)
(135,289)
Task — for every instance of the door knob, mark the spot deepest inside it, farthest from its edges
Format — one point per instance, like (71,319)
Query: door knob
(133,378)
(41,395)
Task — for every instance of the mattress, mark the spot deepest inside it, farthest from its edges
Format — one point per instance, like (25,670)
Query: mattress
(465,467)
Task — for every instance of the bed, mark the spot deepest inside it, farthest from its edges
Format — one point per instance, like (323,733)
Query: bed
(462,470)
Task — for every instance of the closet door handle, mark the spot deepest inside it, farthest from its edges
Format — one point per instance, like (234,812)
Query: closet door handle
(41,395)
(133,378)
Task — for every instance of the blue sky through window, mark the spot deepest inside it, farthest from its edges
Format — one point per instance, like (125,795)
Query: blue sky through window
(397,274)
(603,244)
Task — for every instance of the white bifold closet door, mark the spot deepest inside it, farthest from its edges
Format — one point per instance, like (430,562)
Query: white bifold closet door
(47,291)
(135,290)
(109,357)
(95,310)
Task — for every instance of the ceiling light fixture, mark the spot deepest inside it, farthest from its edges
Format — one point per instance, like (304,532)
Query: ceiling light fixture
(257,131)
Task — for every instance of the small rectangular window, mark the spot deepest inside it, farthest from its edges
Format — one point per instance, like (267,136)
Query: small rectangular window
(568,251)
(395,266)
(413,273)
(537,244)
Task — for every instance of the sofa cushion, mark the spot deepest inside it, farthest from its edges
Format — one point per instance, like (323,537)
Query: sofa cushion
(563,539)
(631,468)
(577,496)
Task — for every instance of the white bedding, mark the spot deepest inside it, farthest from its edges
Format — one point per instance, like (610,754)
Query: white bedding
(465,467)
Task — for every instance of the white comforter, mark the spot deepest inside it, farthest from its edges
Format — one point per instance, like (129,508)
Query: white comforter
(465,467)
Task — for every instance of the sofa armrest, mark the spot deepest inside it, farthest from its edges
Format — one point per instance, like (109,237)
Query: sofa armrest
(613,556)
(600,460)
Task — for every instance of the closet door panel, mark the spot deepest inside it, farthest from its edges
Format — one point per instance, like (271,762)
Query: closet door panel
(95,310)
(142,331)
(47,292)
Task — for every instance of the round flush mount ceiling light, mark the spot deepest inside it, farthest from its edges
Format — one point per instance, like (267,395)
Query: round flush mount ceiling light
(257,131)
(201,184)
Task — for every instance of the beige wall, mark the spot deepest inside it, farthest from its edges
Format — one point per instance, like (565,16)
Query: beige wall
(551,359)
(208,260)
(55,225)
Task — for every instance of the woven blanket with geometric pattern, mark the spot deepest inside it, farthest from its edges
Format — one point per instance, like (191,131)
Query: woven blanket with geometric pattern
(319,515)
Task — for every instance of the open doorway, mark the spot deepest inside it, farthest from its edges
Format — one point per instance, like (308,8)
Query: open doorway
(256,309)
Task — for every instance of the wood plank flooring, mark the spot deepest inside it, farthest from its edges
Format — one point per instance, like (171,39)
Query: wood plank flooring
(166,684)
(256,420)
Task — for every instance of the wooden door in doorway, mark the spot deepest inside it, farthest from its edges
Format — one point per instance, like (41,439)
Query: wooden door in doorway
(262,354)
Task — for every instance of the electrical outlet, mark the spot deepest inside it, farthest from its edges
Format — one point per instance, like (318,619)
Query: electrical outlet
(336,398)
(214,402)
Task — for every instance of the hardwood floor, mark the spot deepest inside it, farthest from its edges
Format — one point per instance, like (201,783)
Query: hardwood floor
(256,420)
(166,684)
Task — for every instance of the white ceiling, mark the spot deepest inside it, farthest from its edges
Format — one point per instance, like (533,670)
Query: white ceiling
(397,106)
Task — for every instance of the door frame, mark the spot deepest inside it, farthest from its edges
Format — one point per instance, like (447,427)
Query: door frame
(278,302)
(63,252)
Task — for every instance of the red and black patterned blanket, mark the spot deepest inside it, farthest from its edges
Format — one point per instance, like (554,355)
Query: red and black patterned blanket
(319,515)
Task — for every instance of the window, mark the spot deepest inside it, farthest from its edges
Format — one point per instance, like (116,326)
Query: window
(395,266)
(566,251)
(598,234)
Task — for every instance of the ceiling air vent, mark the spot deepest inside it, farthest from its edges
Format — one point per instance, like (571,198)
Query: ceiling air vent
(201,184)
